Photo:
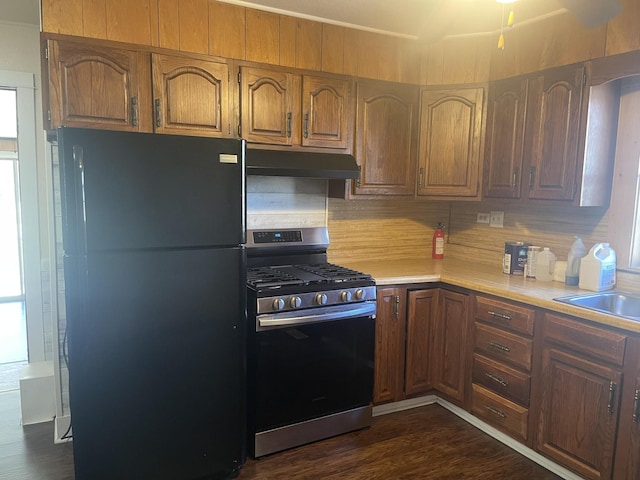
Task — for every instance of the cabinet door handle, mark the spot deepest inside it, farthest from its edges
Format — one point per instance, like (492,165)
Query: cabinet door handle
(158,112)
(497,379)
(532,177)
(495,411)
(134,111)
(421,178)
(516,174)
(289,124)
(499,346)
(396,305)
(612,396)
(636,405)
(501,316)
(306,125)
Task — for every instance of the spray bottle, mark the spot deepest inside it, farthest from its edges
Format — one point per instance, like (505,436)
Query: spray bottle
(437,250)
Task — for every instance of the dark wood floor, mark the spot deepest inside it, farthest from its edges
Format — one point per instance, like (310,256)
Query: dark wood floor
(422,443)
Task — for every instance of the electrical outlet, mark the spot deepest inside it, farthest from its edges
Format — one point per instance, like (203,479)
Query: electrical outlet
(496,219)
(483,218)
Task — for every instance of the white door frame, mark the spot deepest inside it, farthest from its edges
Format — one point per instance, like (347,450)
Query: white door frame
(24,83)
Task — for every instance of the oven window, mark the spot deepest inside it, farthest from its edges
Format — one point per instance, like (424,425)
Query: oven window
(309,371)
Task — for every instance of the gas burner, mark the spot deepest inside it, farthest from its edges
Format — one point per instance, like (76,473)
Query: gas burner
(335,273)
(270,277)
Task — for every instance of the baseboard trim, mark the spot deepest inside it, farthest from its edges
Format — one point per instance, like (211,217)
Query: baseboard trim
(61,426)
(479,424)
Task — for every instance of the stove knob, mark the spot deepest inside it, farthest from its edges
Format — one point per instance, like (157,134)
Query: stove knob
(295,302)
(278,304)
(361,294)
(345,296)
(320,299)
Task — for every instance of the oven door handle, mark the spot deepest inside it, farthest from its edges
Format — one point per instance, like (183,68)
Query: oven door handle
(315,315)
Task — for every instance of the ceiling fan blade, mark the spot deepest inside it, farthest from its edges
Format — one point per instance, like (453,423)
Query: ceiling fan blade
(593,13)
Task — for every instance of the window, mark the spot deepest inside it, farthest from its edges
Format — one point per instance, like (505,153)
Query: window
(624,214)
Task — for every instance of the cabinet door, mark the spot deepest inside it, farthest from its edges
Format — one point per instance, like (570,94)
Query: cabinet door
(389,354)
(327,119)
(386,139)
(450,141)
(554,106)
(504,142)
(422,312)
(96,87)
(579,412)
(450,349)
(269,106)
(190,96)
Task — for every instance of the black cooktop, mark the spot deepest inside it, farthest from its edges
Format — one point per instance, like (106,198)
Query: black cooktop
(303,274)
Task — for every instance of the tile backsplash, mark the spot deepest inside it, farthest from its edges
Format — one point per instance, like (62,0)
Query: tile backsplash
(286,202)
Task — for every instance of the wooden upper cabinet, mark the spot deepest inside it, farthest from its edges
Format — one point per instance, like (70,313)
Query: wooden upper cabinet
(327,116)
(269,106)
(450,142)
(98,87)
(191,96)
(551,144)
(386,138)
(504,138)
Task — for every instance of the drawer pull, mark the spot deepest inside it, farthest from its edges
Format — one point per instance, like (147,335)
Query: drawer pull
(612,396)
(495,411)
(499,346)
(636,404)
(501,316)
(497,379)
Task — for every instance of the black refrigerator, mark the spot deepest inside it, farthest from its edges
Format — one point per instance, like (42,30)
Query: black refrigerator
(155,293)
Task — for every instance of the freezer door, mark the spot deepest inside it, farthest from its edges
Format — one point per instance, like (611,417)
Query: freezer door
(126,190)
(157,370)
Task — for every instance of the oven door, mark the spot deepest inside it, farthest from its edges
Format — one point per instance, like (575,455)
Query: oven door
(313,367)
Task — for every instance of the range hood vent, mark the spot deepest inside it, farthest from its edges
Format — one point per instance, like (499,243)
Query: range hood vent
(301,164)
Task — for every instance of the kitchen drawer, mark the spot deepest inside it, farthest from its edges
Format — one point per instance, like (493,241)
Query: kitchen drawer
(584,338)
(505,314)
(502,379)
(500,412)
(504,346)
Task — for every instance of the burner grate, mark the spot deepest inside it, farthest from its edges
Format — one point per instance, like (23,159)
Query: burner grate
(335,273)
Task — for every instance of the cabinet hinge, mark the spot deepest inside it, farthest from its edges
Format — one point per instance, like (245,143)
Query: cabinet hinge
(48,115)
(239,77)
(584,78)
(46,53)
(239,130)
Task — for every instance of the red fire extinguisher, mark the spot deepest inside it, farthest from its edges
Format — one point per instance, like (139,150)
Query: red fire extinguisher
(438,242)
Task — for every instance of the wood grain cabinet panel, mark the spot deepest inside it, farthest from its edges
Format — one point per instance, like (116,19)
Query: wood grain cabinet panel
(504,346)
(506,381)
(450,350)
(327,115)
(97,87)
(504,141)
(578,416)
(390,344)
(269,106)
(505,314)
(505,415)
(386,138)
(553,132)
(421,316)
(450,155)
(191,96)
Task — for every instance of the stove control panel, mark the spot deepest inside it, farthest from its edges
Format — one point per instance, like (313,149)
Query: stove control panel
(301,301)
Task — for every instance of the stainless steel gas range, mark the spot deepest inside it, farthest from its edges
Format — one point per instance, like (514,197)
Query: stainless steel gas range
(311,341)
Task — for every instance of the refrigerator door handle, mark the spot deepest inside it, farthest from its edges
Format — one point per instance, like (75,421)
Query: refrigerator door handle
(78,159)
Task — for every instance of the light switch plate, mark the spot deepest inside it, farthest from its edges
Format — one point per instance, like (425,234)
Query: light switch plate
(496,219)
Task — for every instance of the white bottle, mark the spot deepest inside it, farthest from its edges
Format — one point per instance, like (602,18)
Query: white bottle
(598,268)
(545,263)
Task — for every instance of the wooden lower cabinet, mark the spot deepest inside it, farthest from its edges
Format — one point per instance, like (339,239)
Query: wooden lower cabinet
(580,400)
(500,412)
(421,317)
(390,339)
(450,349)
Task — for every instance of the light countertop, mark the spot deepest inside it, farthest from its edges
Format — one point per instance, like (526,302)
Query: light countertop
(487,279)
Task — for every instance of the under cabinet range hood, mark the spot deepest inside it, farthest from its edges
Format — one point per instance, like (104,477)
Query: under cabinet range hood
(301,164)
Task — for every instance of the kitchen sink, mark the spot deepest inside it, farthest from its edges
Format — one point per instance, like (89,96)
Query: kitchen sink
(621,304)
